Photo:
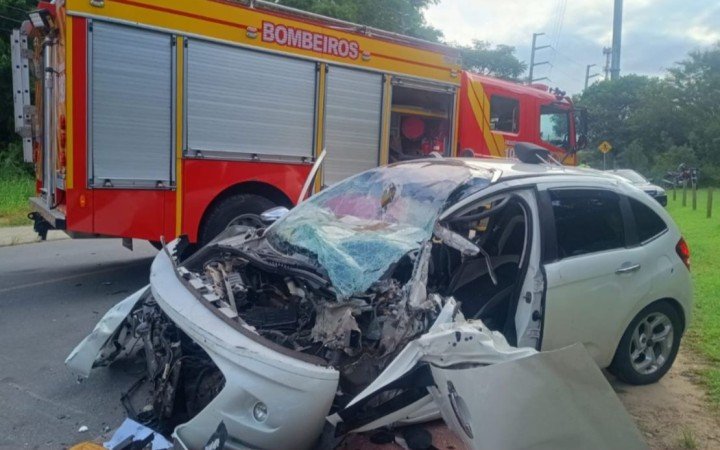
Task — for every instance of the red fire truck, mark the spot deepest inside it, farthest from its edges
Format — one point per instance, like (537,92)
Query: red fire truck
(155,118)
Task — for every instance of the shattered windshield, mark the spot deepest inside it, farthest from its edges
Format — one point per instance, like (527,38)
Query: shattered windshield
(358,228)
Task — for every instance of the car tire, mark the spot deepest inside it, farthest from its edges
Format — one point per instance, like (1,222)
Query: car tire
(643,357)
(239,209)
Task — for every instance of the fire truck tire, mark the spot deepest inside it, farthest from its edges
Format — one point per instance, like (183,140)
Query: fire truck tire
(240,209)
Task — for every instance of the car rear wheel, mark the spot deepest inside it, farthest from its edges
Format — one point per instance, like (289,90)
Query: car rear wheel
(648,347)
(240,209)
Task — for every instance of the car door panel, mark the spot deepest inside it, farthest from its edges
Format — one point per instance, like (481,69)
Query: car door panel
(596,272)
(587,301)
(550,400)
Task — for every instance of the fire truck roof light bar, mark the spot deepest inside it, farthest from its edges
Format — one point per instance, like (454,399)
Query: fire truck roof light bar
(41,19)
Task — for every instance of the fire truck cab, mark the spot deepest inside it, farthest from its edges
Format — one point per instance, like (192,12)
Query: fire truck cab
(495,114)
(161,118)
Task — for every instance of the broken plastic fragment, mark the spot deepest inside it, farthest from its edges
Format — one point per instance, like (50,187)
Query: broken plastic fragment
(334,326)
(133,432)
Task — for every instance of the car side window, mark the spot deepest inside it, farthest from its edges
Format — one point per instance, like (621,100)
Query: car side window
(587,221)
(647,223)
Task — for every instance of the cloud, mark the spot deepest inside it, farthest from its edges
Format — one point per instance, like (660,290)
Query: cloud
(656,33)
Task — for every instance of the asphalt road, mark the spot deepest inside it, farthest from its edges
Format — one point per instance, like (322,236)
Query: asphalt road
(51,296)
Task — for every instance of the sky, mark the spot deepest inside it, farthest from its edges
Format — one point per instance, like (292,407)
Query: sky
(656,33)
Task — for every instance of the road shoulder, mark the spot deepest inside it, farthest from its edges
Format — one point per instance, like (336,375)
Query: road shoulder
(26,235)
(674,413)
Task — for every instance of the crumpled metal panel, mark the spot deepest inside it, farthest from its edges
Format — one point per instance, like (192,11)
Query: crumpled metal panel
(358,229)
(80,361)
(551,400)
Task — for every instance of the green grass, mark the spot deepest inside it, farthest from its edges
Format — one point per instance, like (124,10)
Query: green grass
(14,193)
(703,237)
(687,439)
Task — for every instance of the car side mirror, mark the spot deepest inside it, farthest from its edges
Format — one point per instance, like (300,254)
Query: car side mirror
(272,215)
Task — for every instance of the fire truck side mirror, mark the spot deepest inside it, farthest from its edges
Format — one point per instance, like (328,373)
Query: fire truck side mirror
(582,140)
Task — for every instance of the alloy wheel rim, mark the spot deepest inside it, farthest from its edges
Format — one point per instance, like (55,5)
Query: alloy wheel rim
(651,343)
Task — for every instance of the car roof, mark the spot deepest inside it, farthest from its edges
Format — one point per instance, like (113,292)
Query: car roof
(512,168)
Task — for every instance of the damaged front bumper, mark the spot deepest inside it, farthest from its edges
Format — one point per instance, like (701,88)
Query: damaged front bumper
(270,400)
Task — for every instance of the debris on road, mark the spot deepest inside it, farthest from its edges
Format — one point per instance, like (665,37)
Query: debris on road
(132,435)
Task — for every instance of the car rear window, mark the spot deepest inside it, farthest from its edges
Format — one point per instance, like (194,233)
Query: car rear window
(587,221)
(647,222)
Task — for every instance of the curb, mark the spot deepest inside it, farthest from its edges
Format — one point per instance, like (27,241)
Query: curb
(26,235)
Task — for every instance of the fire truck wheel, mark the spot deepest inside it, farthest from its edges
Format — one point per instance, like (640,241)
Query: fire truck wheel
(240,209)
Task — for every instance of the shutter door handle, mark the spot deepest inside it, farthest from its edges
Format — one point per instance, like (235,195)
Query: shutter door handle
(628,269)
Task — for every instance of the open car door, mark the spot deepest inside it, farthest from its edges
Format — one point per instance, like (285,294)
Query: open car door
(494,395)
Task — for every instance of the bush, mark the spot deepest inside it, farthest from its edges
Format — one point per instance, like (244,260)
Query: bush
(11,162)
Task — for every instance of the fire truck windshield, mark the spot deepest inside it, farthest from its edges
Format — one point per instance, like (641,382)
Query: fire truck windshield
(555,125)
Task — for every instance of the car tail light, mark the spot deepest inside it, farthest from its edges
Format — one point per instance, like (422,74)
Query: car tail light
(683,252)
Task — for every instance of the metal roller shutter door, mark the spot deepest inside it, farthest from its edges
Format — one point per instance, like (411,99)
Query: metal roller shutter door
(131,104)
(353,110)
(247,102)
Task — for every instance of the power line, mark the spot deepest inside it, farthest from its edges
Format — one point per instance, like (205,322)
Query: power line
(569,59)
(16,8)
(557,30)
(10,19)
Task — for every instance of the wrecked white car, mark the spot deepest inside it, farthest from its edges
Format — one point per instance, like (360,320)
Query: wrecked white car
(403,294)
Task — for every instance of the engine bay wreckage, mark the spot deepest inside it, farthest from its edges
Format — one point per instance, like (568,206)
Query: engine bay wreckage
(389,298)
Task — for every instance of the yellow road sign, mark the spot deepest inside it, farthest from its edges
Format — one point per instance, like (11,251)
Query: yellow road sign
(605,147)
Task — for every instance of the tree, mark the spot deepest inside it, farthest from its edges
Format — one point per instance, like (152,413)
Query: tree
(12,13)
(612,109)
(697,81)
(399,16)
(406,17)
(500,61)
(656,123)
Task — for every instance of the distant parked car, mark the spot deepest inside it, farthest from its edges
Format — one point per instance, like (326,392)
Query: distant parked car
(643,183)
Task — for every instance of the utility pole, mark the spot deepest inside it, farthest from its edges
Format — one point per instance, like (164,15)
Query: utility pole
(532,58)
(588,76)
(607,52)
(617,40)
